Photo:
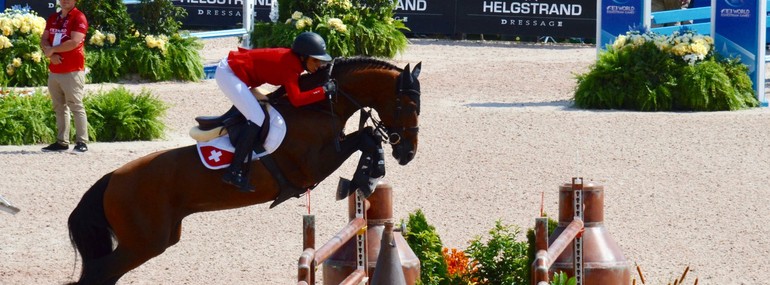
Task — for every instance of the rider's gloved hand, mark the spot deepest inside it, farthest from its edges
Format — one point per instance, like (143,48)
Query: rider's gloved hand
(330,89)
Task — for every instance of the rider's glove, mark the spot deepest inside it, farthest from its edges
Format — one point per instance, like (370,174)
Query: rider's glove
(330,89)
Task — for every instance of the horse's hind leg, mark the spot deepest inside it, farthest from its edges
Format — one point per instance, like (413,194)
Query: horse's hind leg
(108,269)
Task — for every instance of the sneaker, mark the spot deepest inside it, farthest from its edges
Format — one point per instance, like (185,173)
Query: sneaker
(81,147)
(56,147)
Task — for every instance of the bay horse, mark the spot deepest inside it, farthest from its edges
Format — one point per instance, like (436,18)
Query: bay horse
(140,206)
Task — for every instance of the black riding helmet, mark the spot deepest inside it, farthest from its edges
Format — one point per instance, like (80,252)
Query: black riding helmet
(311,44)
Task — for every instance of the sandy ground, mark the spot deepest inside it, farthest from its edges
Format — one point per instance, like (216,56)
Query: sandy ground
(497,130)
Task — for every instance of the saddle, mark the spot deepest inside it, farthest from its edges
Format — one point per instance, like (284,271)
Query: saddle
(233,123)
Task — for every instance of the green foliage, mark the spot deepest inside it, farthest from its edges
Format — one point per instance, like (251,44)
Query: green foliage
(560,278)
(26,118)
(104,57)
(107,16)
(119,115)
(183,58)
(273,35)
(651,72)
(159,17)
(22,62)
(153,49)
(349,28)
(500,259)
(116,115)
(426,244)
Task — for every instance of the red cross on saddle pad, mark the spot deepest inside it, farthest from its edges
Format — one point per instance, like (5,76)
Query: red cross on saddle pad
(214,157)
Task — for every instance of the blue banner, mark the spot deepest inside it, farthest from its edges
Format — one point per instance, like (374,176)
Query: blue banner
(616,17)
(738,28)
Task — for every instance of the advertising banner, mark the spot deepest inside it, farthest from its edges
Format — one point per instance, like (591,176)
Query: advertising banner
(616,17)
(555,18)
(738,28)
(427,16)
(220,13)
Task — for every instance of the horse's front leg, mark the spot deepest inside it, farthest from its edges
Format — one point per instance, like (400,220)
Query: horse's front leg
(371,165)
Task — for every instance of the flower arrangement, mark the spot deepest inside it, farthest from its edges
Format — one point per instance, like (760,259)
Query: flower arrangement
(646,71)
(349,28)
(152,48)
(20,51)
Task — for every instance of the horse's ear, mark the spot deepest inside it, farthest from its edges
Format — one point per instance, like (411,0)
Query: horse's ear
(416,70)
(406,76)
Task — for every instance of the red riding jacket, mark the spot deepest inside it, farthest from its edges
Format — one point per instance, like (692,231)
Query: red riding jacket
(276,66)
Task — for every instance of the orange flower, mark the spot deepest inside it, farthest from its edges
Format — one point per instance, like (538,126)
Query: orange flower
(457,262)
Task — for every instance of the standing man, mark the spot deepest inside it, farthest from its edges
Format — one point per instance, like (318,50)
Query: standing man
(62,42)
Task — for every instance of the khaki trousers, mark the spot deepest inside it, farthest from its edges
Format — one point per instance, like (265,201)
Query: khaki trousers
(67,90)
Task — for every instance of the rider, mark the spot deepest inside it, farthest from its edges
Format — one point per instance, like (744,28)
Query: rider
(245,69)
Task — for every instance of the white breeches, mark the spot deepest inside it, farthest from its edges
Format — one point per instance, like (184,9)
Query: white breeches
(238,93)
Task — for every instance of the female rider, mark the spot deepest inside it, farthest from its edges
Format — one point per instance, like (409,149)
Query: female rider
(245,69)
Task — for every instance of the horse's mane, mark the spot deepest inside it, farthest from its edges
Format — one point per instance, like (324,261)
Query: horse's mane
(346,65)
(342,66)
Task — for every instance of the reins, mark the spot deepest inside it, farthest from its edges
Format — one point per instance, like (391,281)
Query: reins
(392,138)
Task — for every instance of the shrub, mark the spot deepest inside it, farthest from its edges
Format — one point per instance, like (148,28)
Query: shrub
(500,259)
(23,62)
(154,49)
(650,72)
(107,16)
(426,244)
(159,17)
(116,115)
(105,57)
(26,118)
(363,27)
(119,115)
(560,278)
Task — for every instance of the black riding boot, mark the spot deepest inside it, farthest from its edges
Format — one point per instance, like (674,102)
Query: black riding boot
(236,175)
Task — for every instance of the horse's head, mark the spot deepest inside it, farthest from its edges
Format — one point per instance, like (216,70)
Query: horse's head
(393,92)
(403,125)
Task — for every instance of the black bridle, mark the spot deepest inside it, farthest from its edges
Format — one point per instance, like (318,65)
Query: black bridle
(391,135)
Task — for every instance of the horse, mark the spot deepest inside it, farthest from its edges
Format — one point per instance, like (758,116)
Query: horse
(135,212)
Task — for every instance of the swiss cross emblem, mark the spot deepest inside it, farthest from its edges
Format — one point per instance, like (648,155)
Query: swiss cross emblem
(215,156)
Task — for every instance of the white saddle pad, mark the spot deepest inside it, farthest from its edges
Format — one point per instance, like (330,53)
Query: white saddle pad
(218,153)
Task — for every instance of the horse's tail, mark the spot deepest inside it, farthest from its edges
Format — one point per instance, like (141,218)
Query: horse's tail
(90,232)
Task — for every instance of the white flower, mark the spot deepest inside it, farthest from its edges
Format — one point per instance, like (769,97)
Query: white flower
(620,41)
(297,15)
(337,25)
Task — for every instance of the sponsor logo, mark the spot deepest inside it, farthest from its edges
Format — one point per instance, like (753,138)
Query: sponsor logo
(735,13)
(220,13)
(412,5)
(615,10)
(531,23)
(532,8)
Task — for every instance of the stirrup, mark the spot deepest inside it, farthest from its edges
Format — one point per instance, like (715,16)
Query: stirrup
(237,179)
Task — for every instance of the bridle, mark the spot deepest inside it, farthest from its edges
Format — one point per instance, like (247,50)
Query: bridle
(391,135)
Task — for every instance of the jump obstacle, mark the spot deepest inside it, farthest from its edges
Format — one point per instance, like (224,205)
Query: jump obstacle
(349,257)
(593,258)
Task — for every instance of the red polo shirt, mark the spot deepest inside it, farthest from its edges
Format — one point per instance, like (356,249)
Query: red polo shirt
(276,66)
(75,21)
